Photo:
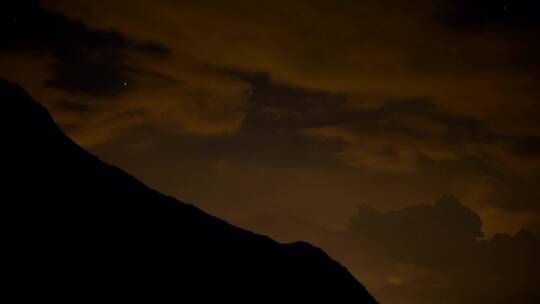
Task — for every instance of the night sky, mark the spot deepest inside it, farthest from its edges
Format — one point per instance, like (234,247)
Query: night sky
(403,137)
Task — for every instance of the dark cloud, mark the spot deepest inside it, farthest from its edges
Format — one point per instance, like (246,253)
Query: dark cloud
(528,147)
(520,13)
(88,62)
(104,75)
(115,77)
(400,134)
(433,235)
(517,191)
(274,105)
(74,106)
(535,228)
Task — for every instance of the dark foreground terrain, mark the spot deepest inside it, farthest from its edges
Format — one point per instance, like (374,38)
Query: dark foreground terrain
(79,229)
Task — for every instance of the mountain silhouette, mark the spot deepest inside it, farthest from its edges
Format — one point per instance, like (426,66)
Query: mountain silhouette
(76,228)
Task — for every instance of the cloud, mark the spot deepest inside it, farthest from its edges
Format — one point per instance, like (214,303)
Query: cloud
(447,238)
(358,54)
(401,134)
(499,219)
(517,191)
(519,13)
(432,253)
(75,48)
(121,82)
(430,235)
(369,50)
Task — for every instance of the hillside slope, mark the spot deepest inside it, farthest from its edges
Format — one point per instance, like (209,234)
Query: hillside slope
(79,229)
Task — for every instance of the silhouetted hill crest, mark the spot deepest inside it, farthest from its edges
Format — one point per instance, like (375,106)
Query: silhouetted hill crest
(80,229)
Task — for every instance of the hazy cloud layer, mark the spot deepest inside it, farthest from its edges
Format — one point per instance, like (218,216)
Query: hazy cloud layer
(463,59)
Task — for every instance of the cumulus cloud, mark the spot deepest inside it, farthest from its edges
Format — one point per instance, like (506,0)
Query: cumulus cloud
(447,238)
(434,253)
